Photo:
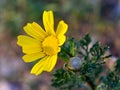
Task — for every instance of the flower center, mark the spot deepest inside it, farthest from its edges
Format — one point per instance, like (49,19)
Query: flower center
(50,45)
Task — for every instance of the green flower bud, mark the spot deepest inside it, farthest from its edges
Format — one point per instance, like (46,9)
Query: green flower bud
(75,63)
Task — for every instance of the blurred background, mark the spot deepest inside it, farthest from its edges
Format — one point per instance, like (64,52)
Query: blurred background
(100,18)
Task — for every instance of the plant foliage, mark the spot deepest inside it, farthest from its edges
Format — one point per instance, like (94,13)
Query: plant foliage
(88,76)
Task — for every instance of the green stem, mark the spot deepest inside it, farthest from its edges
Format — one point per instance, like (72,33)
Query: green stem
(92,85)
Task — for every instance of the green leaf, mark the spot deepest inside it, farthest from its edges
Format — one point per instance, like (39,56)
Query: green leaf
(117,67)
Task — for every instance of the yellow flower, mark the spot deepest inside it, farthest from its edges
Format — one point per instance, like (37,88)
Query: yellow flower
(43,45)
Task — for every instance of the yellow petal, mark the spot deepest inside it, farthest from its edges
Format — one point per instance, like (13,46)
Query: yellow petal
(27,41)
(51,63)
(39,29)
(31,49)
(32,57)
(38,68)
(35,31)
(62,28)
(48,21)
(61,39)
(59,49)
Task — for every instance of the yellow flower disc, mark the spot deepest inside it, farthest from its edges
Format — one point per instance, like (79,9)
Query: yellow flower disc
(50,45)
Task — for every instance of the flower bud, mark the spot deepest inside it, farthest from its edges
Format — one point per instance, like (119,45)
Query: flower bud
(75,63)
